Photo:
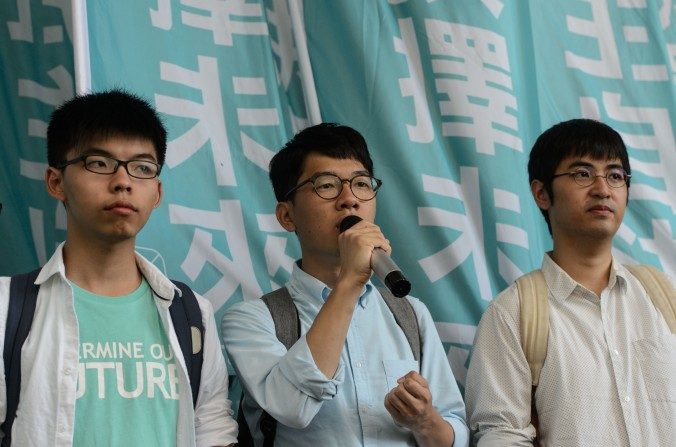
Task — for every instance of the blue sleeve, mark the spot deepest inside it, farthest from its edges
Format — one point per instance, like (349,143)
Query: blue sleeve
(286,384)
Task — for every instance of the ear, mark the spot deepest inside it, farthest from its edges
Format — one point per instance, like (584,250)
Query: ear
(284,213)
(160,193)
(54,183)
(540,194)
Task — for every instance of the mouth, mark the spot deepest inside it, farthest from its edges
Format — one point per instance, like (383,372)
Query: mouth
(601,209)
(121,207)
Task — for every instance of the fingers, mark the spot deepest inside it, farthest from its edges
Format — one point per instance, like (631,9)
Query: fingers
(367,234)
(395,406)
(413,389)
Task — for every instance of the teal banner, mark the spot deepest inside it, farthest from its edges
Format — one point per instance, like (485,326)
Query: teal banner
(450,96)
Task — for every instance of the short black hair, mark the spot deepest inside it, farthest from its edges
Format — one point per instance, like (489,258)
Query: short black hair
(92,117)
(576,137)
(329,139)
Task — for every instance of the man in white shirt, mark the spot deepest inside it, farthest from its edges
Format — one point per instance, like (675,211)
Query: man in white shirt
(102,364)
(609,374)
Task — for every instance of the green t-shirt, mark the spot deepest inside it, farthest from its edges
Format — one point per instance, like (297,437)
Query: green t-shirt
(127,392)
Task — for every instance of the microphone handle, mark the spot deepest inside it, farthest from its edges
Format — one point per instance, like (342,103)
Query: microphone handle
(389,273)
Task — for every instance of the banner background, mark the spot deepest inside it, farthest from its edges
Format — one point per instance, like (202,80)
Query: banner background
(450,96)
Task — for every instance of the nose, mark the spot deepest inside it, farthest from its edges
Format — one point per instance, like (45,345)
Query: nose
(121,180)
(346,199)
(600,186)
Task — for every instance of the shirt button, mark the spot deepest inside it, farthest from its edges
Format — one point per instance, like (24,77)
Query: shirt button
(627,398)
(67,371)
(616,352)
(359,365)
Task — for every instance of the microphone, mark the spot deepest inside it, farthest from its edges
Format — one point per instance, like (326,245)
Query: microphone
(382,265)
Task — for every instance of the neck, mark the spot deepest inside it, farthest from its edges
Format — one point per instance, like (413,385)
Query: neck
(325,270)
(587,262)
(100,267)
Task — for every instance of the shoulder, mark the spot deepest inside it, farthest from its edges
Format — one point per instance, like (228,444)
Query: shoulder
(422,313)
(505,306)
(246,314)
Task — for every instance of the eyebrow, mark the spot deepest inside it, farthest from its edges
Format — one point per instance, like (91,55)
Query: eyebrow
(105,153)
(586,164)
(354,173)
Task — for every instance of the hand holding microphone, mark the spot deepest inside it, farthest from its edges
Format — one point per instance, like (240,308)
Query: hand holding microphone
(381,263)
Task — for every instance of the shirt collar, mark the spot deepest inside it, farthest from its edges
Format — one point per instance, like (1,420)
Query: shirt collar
(161,285)
(561,285)
(311,286)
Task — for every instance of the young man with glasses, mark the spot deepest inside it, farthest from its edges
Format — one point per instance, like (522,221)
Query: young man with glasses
(609,372)
(102,364)
(350,379)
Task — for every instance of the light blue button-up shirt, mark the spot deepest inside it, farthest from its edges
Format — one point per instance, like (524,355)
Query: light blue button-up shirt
(347,409)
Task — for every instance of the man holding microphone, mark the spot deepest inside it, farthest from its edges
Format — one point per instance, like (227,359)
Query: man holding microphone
(351,378)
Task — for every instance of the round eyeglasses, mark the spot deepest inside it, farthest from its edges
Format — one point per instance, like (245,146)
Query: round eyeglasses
(329,186)
(586,176)
(100,164)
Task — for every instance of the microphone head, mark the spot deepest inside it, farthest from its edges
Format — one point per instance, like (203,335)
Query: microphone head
(398,284)
(348,222)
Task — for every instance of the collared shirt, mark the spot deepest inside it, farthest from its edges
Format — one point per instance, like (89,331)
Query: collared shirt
(49,365)
(347,409)
(609,378)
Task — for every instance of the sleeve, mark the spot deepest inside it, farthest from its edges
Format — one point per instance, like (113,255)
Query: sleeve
(214,424)
(435,368)
(286,384)
(498,387)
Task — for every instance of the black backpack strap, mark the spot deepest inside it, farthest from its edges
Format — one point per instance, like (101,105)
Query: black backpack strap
(23,296)
(187,318)
(287,329)
(244,438)
(405,317)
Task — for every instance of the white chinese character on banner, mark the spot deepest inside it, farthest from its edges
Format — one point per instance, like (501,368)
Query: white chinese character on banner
(514,236)
(222,17)
(210,126)
(256,116)
(470,226)
(600,28)
(471,68)
(283,45)
(238,269)
(38,128)
(275,249)
(414,86)
(22,29)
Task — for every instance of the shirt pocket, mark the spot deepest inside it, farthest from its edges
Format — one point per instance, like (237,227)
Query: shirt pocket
(657,364)
(396,368)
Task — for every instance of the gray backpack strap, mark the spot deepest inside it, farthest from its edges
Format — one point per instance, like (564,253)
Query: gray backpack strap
(284,315)
(287,329)
(405,317)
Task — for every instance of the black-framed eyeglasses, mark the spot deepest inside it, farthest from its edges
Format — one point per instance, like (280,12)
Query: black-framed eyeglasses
(100,164)
(586,176)
(329,186)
